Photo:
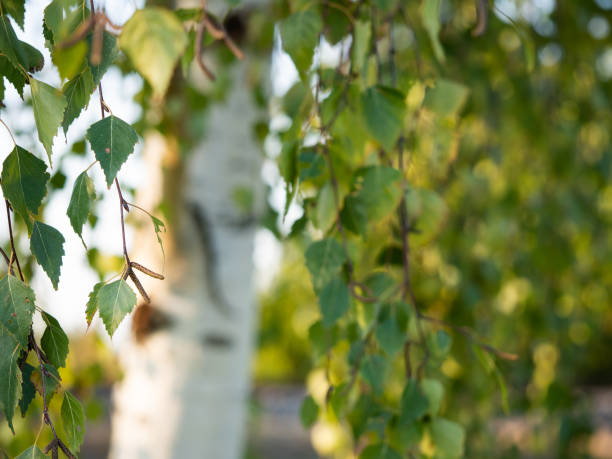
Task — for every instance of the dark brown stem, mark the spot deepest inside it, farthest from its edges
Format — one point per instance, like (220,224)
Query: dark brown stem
(407,284)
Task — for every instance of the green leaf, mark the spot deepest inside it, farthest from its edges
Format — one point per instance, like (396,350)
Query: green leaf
(73,418)
(434,391)
(54,341)
(112,140)
(324,260)
(10,382)
(448,438)
(380,190)
(81,202)
(354,215)
(413,404)
(334,300)
(10,46)
(28,391)
(383,111)
(16,309)
(427,210)
(309,412)
(16,8)
(373,372)
(160,228)
(379,451)
(47,245)
(390,336)
(24,182)
(363,32)
(32,452)
(430,15)
(69,61)
(300,35)
(115,300)
(325,210)
(77,92)
(49,104)
(92,303)
(15,76)
(154,39)
(446,98)
(62,17)
(110,51)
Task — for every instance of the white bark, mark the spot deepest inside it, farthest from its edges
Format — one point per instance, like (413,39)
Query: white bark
(185,390)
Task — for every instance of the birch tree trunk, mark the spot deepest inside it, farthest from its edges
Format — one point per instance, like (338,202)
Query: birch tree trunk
(186,383)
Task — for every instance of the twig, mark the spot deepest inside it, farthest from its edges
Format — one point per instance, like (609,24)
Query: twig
(9,131)
(482,18)
(468,333)
(218,33)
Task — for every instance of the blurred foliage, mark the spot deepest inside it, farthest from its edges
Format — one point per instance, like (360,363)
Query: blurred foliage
(509,191)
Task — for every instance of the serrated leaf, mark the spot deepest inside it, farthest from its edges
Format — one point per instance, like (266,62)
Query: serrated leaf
(108,55)
(92,303)
(15,76)
(309,412)
(73,418)
(16,309)
(54,341)
(32,452)
(380,191)
(154,39)
(324,260)
(112,140)
(448,438)
(28,391)
(16,8)
(24,182)
(383,110)
(300,35)
(115,300)
(430,15)
(334,300)
(10,46)
(77,92)
(47,245)
(81,202)
(62,17)
(10,382)
(48,104)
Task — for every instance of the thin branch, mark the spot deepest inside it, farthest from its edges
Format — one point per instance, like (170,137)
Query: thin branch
(469,334)
(482,13)
(9,131)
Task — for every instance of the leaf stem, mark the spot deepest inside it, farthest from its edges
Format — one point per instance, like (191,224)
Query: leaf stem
(9,131)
